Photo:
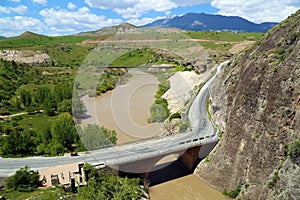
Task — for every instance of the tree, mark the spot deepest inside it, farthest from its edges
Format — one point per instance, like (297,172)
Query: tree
(79,109)
(25,98)
(95,137)
(43,94)
(44,138)
(158,113)
(63,131)
(65,106)
(103,186)
(24,180)
(19,144)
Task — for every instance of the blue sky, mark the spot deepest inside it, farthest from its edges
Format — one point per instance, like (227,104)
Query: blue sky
(62,17)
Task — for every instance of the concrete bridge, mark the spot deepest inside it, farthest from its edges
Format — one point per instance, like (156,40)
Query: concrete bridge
(141,157)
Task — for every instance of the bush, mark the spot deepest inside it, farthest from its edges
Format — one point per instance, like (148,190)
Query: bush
(295,150)
(24,180)
(175,116)
(274,180)
(233,193)
(158,113)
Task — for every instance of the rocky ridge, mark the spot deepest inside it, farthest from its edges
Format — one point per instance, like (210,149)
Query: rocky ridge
(256,104)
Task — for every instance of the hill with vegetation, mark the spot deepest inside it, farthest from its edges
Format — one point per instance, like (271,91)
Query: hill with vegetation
(256,104)
(110,30)
(64,51)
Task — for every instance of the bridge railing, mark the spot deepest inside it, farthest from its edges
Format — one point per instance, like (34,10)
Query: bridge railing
(184,146)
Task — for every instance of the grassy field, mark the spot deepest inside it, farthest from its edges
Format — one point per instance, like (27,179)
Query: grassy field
(225,36)
(33,41)
(134,58)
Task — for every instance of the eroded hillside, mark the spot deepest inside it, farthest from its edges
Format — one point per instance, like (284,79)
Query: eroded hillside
(256,103)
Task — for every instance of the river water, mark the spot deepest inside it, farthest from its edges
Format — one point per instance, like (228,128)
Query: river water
(125,110)
(189,187)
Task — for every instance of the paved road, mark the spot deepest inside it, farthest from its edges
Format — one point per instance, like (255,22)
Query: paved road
(202,132)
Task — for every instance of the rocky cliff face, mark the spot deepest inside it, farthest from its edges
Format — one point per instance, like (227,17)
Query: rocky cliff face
(256,103)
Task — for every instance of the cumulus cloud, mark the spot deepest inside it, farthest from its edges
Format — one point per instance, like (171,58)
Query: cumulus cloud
(143,21)
(132,8)
(71,6)
(41,2)
(21,9)
(68,22)
(257,10)
(4,9)
(11,26)
(254,10)
(190,2)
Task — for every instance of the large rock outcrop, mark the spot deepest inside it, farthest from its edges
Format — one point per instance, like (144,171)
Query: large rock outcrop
(256,103)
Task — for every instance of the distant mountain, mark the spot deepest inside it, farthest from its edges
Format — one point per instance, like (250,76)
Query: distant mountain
(110,30)
(208,22)
(2,37)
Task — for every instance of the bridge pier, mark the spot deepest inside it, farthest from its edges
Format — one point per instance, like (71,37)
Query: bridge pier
(190,157)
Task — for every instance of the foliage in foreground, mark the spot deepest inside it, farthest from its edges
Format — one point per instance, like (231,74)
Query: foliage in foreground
(102,186)
(23,184)
(24,180)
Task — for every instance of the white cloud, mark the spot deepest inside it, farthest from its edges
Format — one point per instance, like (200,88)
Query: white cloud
(11,26)
(71,6)
(41,2)
(254,10)
(21,9)
(4,10)
(257,10)
(68,22)
(132,8)
(143,21)
(190,2)
(16,1)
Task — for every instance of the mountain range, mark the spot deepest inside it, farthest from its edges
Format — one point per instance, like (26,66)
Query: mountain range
(209,22)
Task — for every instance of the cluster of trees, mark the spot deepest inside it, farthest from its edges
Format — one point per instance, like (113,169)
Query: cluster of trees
(110,78)
(44,98)
(12,76)
(53,94)
(102,186)
(54,140)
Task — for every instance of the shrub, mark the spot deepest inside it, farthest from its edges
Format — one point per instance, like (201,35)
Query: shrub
(233,193)
(24,180)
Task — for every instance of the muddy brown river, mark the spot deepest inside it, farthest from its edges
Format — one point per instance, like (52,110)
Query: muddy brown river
(185,188)
(126,108)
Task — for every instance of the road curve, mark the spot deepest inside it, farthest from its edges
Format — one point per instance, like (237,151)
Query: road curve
(202,132)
